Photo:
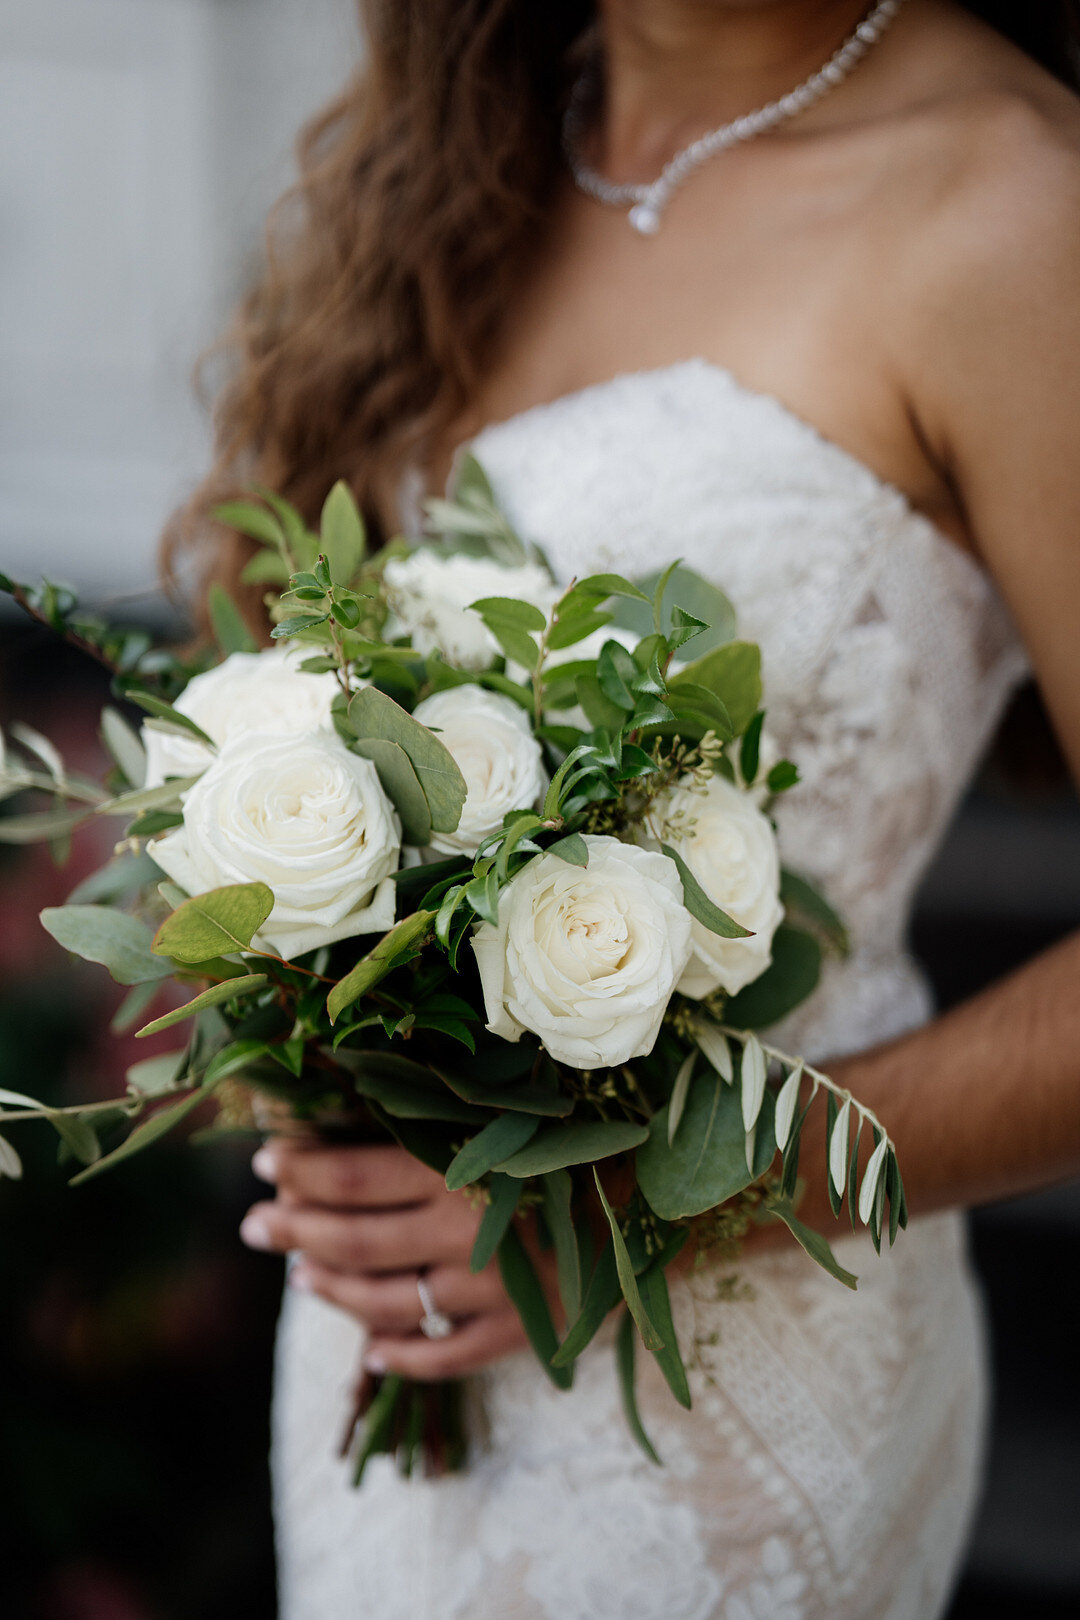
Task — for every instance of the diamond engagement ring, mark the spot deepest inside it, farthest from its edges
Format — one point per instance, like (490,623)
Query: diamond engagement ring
(434,1324)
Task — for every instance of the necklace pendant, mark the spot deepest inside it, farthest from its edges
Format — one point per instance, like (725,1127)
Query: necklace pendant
(645,219)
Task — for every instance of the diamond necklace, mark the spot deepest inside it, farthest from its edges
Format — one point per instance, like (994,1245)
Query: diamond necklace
(649,201)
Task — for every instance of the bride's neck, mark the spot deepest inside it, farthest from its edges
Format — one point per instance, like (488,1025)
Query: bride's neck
(674,68)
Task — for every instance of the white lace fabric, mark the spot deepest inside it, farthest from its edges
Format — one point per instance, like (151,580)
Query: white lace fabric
(828,1468)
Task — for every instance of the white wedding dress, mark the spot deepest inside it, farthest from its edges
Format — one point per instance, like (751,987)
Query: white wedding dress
(830,1463)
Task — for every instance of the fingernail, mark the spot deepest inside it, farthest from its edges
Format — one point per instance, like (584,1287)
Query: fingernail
(265,1164)
(374,1362)
(255,1232)
(301,1278)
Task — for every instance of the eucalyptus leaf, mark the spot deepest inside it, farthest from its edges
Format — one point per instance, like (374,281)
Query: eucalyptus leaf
(705,1164)
(164,711)
(657,1301)
(503,1195)
(651,1338)
(124,745)
(402,786)
(503,1135)
(373,715)
(215,923)
(601,1296)
(558,1212)
(527,1296)
(626,1367)
(155,798)
(214,997)
(792,976)
(99,934)
(576,1142)
(400,942)
(151,1130)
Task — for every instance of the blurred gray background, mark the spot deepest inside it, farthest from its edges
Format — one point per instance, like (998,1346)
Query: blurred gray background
(142,143)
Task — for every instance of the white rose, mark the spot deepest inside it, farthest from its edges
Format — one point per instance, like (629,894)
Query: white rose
(494,748)
(729,845)
(263,691)
(303,815)
(586,957)
(429,595)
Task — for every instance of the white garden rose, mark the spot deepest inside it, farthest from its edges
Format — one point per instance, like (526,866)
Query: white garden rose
(429,595)
(263,691)
(492,745)
(586,957)
(303,815)
(730,847)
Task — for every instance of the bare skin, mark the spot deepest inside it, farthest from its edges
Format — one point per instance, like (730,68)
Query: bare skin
(900,267)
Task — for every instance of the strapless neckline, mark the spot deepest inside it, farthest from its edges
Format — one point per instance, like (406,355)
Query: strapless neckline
(728,382)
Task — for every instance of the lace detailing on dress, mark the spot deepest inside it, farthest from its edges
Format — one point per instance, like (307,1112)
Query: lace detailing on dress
(828,1465)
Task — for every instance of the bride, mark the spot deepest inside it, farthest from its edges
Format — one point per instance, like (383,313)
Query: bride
(830,357)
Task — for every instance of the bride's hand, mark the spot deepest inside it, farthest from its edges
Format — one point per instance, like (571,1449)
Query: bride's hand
(366,1222)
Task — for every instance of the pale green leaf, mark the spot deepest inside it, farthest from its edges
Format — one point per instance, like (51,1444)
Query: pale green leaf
(99,934)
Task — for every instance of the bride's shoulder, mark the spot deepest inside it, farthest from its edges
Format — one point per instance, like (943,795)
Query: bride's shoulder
(994,192)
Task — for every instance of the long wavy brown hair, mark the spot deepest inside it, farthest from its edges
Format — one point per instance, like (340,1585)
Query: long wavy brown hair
(424,190)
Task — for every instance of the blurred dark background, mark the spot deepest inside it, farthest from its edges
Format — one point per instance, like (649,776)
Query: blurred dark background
(143,141)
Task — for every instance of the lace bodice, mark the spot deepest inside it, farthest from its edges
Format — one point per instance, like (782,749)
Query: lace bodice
(827,1466)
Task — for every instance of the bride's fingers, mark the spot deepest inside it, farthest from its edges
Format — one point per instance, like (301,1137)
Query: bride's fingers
(370,1240)
(470,1347)
(392,1305)
(345,1177)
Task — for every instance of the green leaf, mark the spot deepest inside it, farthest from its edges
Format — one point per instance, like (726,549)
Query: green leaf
(402,940)
(815,1245)
(785,985)
(373,715)
(125,874)
(36,829)
(265,568)
(705,1164)
(405,1089)
(155,1075)
(602,713)
(808,906)
(227,622)
(733,674)
(215,996)
(254,521)
(572,848)
(99,934)
(215,923)
(616,672)
(528,1299)
(156,798)
(783,776)
(341,534)
(625,1362)
(164,711)
(78,1136)
(573,1143)
(503,1135)
(151,1130)
(401,785)
(528,1096)
(679,1092)
(700,906)
(124,745)
(750,751)
(510,610)
(657,1301)
(601,1297)
(558,1201)
(296,625)
(504,1193)
(133,1006)
(627,1280)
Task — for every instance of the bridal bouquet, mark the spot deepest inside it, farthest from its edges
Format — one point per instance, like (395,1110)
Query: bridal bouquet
(476,862)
